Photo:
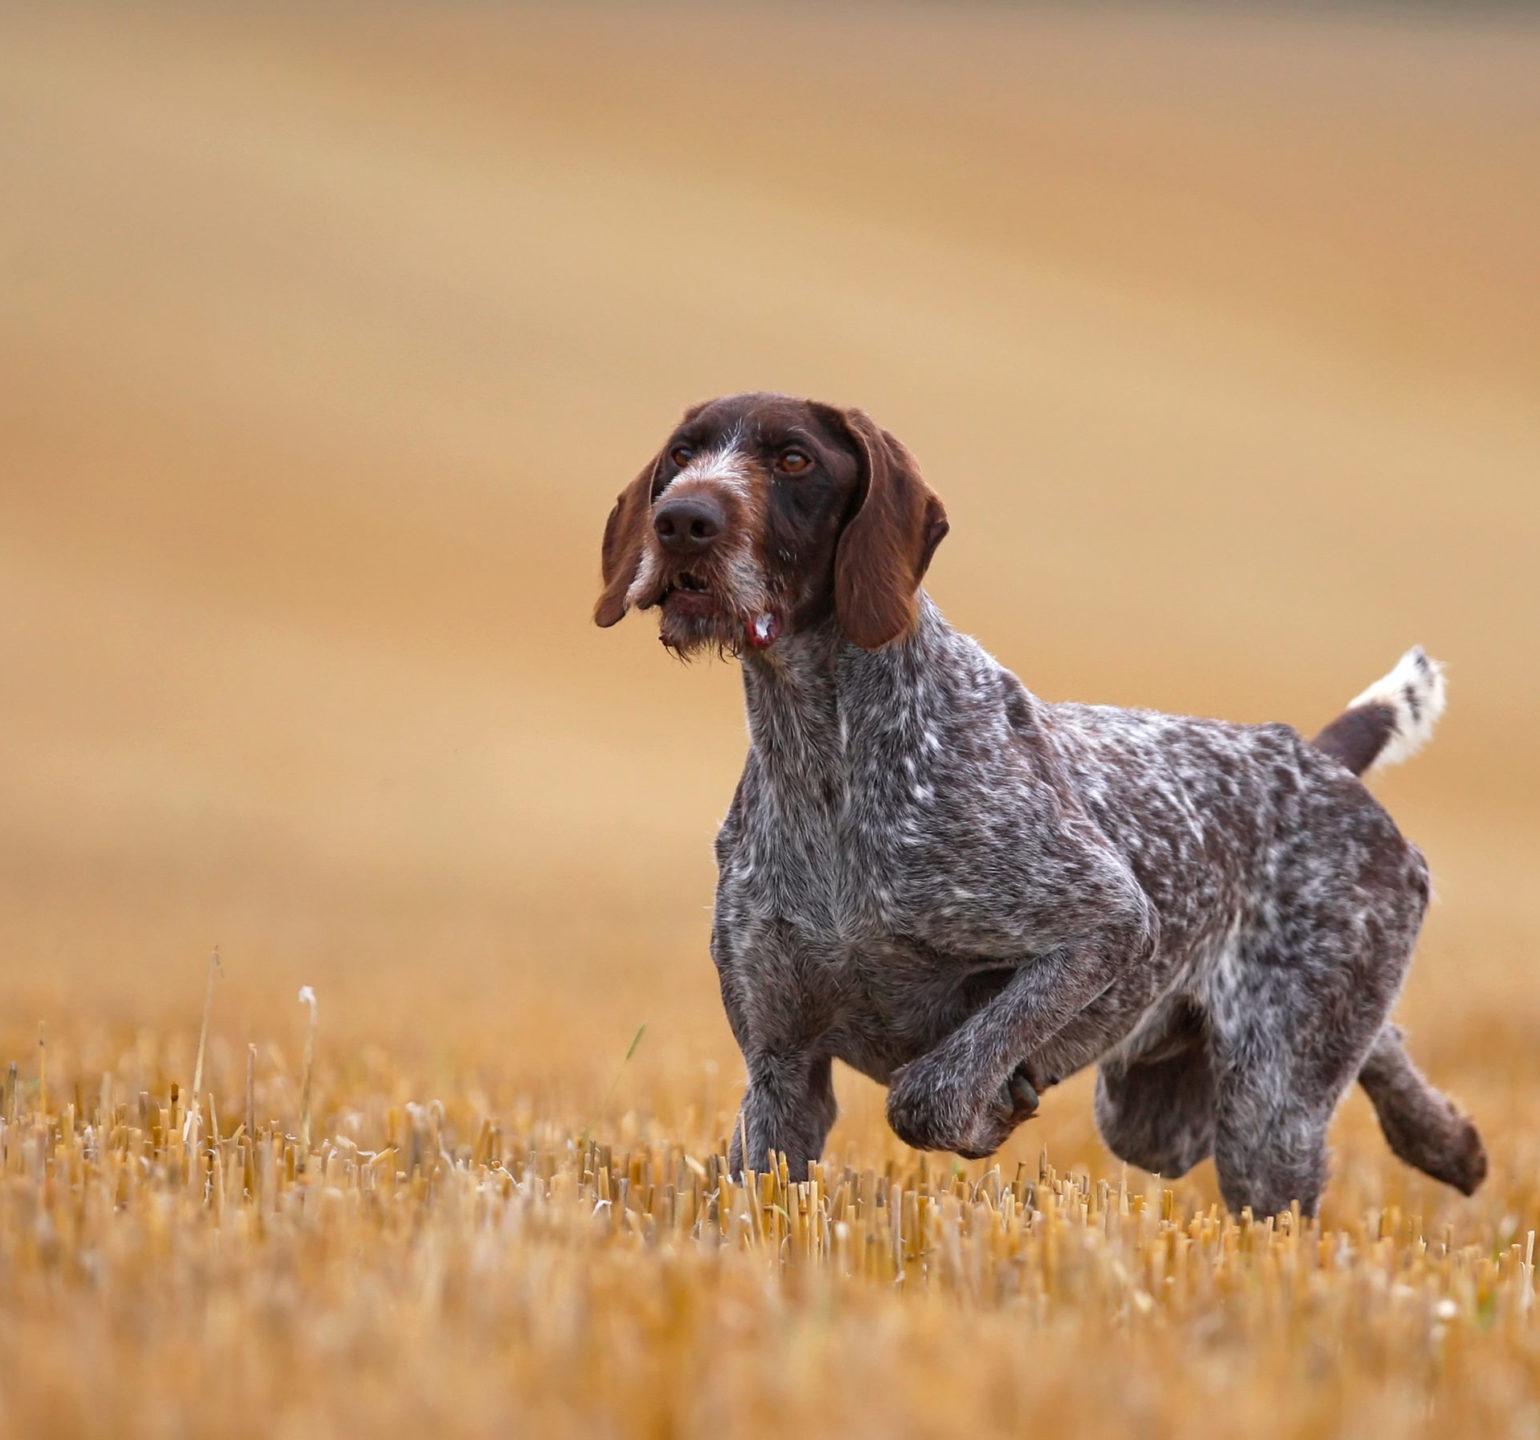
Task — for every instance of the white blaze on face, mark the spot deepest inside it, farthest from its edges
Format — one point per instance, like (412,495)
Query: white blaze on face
(724,470)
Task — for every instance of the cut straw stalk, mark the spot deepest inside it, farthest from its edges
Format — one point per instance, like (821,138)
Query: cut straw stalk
(307,997)
(251,1091)
(190,1125)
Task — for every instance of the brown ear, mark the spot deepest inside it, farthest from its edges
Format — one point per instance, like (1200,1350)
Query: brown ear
(621,552)
(887,544)
(625,532)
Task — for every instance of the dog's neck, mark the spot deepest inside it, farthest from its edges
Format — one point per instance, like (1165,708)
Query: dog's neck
(821,709)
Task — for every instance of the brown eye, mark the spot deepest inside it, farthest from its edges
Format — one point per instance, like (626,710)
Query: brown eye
(793,462)
(681,455)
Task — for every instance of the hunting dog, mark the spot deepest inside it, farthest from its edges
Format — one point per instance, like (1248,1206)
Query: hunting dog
(968,893)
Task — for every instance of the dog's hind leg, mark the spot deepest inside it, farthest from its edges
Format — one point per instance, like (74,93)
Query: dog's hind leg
(1290,1027)
(1155,1095)
(1423,1126)
(1158,1114)
(1297,1008)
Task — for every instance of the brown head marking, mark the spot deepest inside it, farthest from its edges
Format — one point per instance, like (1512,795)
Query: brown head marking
(887,545)
(763,515)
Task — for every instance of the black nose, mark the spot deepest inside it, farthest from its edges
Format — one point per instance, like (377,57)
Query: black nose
(689,524)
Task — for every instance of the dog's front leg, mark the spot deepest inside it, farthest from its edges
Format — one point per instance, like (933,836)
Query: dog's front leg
(960,1096)
(788,1108)
(778,1021)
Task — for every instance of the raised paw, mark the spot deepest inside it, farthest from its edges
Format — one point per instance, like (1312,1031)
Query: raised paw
(1468,1164)
(1444,1144)
(1017,1102)
(929,1110)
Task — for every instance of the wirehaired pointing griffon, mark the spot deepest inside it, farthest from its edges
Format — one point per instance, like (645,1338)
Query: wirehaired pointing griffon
(968,893)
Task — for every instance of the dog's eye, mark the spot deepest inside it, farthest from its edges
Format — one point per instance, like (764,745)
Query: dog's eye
(681,455)
(793,462)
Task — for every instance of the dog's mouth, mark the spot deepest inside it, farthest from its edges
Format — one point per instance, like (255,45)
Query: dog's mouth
(690,599)
(688,590)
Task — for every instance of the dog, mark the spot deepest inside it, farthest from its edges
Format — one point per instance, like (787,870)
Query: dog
(969,894)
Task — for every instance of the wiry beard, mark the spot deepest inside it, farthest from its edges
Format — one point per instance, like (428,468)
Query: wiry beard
(687,636)
(712,606)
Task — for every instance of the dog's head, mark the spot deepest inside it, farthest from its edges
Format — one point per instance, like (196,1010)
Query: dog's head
(762,516)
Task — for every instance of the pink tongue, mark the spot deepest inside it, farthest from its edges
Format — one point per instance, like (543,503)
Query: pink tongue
(763,629)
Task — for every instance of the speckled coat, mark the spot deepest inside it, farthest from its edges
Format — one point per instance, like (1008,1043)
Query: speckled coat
(968,894)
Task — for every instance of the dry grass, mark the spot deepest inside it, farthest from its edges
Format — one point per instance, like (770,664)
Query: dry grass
(443,1266)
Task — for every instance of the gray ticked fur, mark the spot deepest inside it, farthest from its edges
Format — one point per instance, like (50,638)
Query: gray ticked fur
(968,894)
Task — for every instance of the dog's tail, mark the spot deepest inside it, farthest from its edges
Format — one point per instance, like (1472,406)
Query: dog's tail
(1423,1126)
(1392,720)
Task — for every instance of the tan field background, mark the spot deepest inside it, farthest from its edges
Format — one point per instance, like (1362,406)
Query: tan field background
(327,336)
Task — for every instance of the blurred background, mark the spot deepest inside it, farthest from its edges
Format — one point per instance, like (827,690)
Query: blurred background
(329,333)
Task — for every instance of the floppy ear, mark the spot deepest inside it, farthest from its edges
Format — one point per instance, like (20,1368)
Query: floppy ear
(887,544)
(625,532)
(621,552)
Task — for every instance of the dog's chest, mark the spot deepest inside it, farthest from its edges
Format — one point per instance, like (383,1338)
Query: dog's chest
(857,910)
(838,965)
(844,850)
(920,841)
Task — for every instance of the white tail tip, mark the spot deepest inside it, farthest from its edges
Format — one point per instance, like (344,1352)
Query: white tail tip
(1414,693)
